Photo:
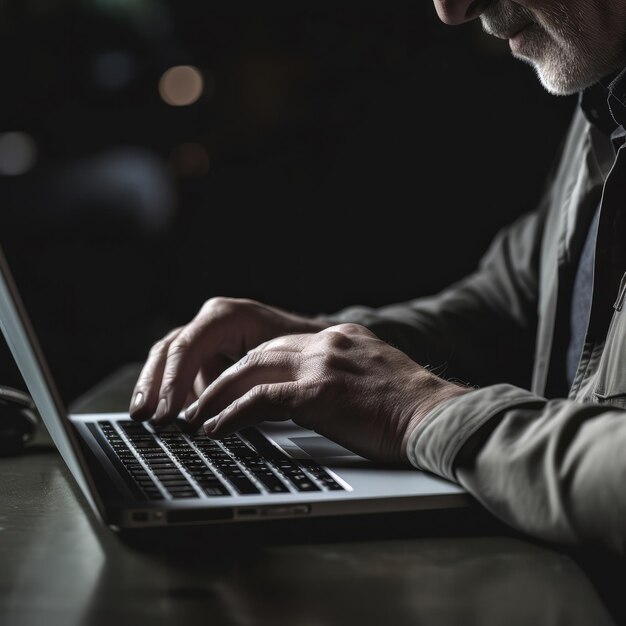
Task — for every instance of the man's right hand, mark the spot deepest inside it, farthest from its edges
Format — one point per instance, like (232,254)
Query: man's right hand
(183,363)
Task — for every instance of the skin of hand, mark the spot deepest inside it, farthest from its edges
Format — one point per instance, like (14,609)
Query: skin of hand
(340,381)
(181,365)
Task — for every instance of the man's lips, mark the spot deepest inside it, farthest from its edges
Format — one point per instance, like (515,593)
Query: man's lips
(512,31)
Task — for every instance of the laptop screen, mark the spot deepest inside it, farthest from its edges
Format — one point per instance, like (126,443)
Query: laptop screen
(24,346)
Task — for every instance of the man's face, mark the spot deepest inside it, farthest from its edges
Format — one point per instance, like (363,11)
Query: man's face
(570,43)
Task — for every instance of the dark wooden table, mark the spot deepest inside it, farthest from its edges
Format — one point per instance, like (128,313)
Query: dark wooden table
(58,566)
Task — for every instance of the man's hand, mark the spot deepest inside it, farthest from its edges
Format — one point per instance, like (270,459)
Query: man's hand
(341,381)
(180,366)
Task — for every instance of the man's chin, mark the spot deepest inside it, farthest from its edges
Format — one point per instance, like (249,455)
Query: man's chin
(559,90)
(556,80)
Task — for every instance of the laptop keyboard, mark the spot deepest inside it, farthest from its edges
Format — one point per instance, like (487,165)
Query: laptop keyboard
(172,464)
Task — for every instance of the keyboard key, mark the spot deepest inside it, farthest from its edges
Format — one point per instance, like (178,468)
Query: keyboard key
(253,452)
(215,490)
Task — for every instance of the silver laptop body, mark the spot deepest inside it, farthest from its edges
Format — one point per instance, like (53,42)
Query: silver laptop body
(133,476)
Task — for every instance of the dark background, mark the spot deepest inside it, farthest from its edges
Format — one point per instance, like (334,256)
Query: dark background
(338,155)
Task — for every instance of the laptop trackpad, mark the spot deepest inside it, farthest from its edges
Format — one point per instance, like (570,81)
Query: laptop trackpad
(320,447)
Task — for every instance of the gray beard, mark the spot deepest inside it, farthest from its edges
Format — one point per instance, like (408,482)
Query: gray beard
(556,45)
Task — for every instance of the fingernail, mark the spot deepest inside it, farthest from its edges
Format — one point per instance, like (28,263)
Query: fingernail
(161,409)
(138,400)
(210,425)
(191,411)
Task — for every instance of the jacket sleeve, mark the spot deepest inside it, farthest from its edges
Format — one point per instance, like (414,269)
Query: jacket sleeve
(554,469)
(470,330)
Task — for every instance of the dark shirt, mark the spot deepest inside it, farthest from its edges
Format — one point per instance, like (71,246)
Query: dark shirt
(603,104)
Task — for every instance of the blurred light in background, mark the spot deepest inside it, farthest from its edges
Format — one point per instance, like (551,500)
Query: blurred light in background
(181,85)
(18,153)
(113,70)
(189,160)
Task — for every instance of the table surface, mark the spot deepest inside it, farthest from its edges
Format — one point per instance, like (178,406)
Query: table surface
(59,566)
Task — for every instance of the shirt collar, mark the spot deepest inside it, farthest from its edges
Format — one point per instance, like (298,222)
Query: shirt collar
(604,103)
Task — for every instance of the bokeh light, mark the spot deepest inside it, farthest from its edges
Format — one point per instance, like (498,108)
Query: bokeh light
(18,153)
(181,85)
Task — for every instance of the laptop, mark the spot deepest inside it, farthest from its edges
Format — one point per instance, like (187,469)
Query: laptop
(134,476)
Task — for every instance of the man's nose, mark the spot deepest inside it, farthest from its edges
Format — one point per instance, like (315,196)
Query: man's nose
(459,11)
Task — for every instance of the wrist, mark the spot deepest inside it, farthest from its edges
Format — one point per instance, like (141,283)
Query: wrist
(434,392)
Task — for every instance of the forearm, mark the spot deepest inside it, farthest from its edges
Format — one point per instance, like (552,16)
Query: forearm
(553,469)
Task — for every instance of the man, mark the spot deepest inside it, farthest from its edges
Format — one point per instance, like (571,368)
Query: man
(548,297)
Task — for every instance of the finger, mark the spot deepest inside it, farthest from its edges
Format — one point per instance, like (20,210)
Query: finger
(261,403)
(196,349)
(146,391)
(182,366)
(209,372)
(203,379)
(256,368)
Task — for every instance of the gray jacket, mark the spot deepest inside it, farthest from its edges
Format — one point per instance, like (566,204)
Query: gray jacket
(548,460)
